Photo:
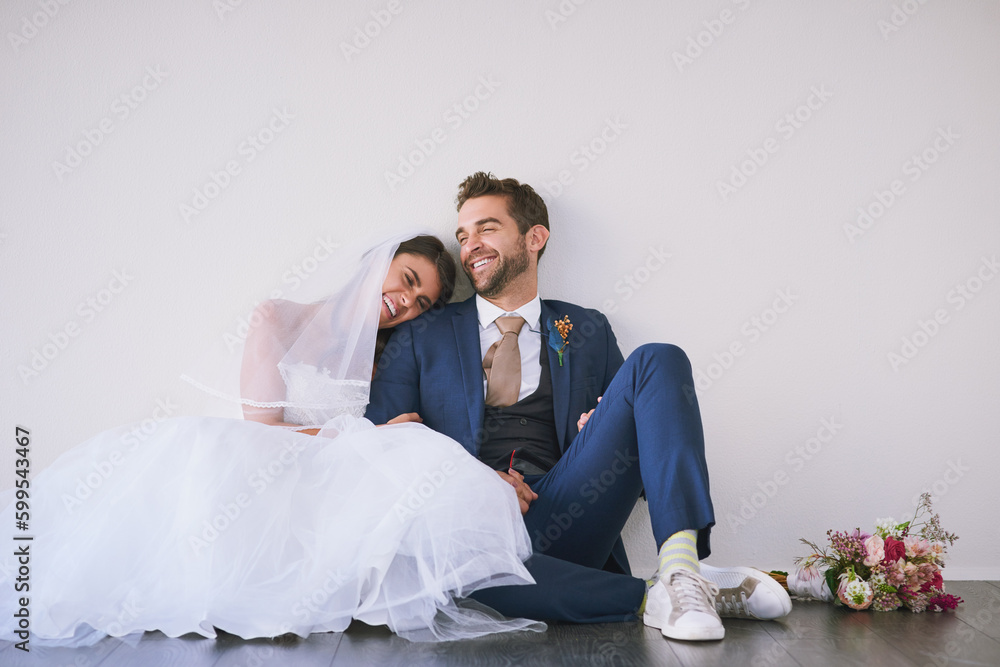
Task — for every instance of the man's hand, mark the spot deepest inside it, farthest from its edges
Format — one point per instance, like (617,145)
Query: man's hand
(406,417)
(524,493)
(585,417)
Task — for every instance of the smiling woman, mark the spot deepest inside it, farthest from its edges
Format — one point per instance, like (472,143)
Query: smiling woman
(414,282)
(416,251)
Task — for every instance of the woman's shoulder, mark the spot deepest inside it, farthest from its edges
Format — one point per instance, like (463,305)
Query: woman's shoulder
(282,311)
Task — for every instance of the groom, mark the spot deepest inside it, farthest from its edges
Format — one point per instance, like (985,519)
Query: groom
(539,391)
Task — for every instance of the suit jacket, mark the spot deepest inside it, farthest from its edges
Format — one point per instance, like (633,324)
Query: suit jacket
(433,365)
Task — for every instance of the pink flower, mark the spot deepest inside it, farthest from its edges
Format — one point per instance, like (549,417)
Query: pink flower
(935,582)
(894,574)
(875,548)
(916,547)
(894,550)
(809,572)
(927,571)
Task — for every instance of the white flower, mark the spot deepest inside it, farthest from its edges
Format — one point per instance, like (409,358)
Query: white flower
(855,593)
(886,527)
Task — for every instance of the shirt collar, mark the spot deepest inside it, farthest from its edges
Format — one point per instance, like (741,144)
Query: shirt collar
(488,312)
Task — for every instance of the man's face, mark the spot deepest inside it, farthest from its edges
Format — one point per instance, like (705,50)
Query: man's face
(493,251)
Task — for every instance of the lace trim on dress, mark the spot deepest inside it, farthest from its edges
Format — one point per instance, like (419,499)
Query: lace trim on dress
(315,398)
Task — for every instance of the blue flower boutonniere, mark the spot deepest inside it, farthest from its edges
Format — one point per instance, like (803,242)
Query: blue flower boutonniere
(559,335)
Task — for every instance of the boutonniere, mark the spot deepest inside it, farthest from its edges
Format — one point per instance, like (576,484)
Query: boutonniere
(559,335)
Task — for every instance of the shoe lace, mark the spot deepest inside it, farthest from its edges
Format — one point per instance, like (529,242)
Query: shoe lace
(693,591)
(730,606)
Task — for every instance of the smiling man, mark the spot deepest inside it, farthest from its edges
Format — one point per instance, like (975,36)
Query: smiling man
(539,391)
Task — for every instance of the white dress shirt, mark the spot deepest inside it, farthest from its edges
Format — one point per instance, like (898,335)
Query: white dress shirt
(529,341)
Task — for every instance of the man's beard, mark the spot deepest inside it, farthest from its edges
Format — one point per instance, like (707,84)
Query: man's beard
(505,271)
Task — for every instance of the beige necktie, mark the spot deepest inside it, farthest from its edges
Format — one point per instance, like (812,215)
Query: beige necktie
(503,364)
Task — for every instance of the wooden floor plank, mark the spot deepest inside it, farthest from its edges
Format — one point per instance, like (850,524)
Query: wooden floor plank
(746,643)
(316,650)
(934,639)
(862,650)
(981,608)
(88,656)
(155,648)
(811,619)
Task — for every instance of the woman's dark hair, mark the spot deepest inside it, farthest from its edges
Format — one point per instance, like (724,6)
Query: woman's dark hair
(431,248)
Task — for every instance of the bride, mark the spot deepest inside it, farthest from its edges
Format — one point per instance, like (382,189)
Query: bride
(297,519)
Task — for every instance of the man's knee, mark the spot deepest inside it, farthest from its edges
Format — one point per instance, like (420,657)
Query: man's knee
(662,355)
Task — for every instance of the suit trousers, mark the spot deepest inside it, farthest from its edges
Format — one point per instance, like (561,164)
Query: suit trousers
(645,433)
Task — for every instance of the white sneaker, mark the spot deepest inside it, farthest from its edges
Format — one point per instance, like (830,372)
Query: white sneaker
(747,593)
(680,605)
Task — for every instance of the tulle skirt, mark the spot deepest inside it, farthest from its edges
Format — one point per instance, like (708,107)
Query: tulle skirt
(259,531)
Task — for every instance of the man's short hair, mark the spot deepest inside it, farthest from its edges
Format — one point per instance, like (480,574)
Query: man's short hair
(523,203)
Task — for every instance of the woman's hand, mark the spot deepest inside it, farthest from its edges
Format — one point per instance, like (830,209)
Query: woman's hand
(585,417)
(406,417)
(524,493)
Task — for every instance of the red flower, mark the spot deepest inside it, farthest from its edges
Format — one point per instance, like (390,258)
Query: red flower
(894,550)
(942,602)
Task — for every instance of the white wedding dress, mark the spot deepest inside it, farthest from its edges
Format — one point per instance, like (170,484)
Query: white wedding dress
(259,531)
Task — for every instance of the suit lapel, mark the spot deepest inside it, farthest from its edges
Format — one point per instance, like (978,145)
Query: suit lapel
(561,376)
(465,322)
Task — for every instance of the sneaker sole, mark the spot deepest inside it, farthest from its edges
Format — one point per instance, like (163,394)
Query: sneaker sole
(763,578)
(686,634)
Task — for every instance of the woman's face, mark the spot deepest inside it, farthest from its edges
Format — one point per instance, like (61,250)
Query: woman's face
(410,288)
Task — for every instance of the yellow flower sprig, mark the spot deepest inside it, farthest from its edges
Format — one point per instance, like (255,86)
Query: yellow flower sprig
(559,336)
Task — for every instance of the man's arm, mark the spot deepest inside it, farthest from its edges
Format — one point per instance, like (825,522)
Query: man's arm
(396,387)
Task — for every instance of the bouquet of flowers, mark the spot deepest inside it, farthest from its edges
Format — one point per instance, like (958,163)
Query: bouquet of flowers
(899,565)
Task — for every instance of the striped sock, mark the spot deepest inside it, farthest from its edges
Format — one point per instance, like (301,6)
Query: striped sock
(679,551)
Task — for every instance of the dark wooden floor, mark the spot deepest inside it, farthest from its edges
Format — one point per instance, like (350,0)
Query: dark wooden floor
(813,634)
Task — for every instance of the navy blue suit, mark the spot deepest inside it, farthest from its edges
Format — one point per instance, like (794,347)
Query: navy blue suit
(645,432)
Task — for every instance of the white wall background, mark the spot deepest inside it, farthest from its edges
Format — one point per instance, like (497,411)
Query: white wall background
(676,129)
